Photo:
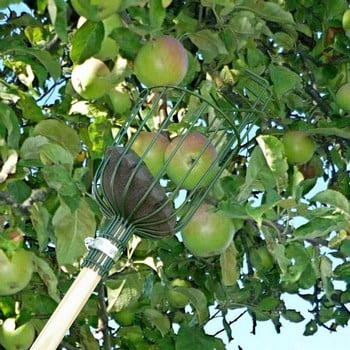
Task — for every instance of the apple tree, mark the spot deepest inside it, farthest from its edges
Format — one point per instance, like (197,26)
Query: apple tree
(67,83)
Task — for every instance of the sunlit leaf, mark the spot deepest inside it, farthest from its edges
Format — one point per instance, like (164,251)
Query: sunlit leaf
(333,198)
(273,151)
(228,264)
(71,228)
(284,80)
(87,41)
(158,320)
(60,133)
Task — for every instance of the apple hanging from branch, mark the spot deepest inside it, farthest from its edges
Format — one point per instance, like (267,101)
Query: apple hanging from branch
(192,160)
(161,61)
(153,157)
(298,146)
(16,271)
(91,79)
(13,337)
(208,232)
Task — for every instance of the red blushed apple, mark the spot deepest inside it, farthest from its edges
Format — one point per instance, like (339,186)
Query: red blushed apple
(162,61)
(190,160)
(91,79)
(153,157)
(208,233)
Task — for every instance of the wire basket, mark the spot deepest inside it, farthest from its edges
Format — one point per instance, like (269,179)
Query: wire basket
(131,198)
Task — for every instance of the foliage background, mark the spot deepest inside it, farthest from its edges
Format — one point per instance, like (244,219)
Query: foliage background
(52,140)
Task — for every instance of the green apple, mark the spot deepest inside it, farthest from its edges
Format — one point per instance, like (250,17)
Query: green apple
(91,79)
(15,271)
(342,97)
(153,157)
(126,316)
(119,100)
(96,10)
(161,61)
(16,338)
(208,232)
(190,159)
(261,258)
(175,296)
(346,22)
(298,146)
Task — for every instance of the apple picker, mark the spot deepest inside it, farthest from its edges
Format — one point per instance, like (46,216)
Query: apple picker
(133,201)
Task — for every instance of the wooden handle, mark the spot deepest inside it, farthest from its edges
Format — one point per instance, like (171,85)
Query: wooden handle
(67,310)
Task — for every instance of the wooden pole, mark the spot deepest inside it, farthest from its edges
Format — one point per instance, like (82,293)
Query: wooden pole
(67,311)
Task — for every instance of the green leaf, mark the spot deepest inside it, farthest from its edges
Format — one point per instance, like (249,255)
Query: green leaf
(259,176)
(268,303)
(29,107)
(310,328)
(58,14)
(60,133)
(343,133)
(228,264)
(157,13)
(315,228)
(87,41)
(209,44)
(71,229)
(194,338)
(59,178)
(326,271)
(48,277)
(31,146)
(271,12)
(41,220)
(51,153)
(273,151)
(293,316)
(44,57)
(9,121)
(158,320)
(283,79)
(333,198)
(129,42)
(6,3)
(124,290)
(198,300)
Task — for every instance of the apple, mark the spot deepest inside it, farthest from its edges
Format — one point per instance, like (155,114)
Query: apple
(119,100)
(126,316)
(298,146)
(91,79)
(261,258)
(16,338)
(15,271)
(154,157)
(208,232)
(161,61)
(176,298)
(184,152)
(342,97)
(346,22)
(96,10)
